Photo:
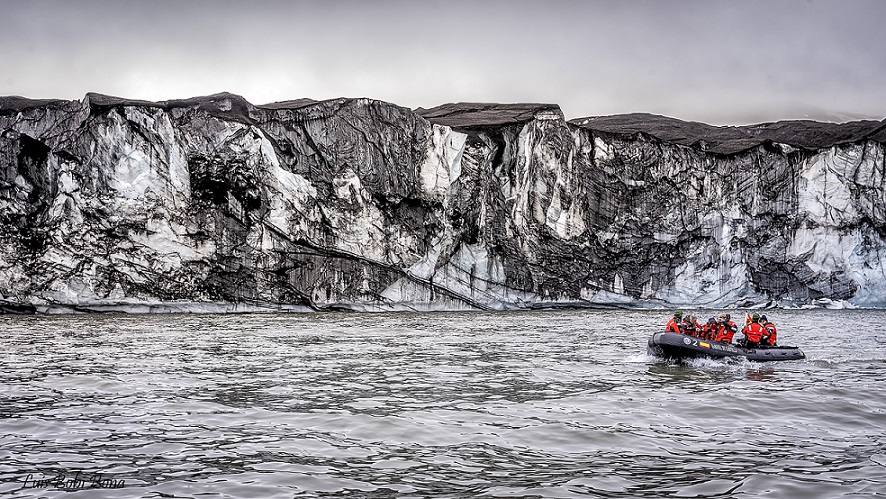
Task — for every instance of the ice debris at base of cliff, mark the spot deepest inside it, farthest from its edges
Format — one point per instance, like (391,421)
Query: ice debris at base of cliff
(213,204)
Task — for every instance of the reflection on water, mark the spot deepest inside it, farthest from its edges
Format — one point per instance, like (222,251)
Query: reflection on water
(495,404)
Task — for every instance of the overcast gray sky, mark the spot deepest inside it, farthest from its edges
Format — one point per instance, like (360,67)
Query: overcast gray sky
(713,61)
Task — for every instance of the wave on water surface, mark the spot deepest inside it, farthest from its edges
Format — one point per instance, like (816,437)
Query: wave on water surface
(551,404)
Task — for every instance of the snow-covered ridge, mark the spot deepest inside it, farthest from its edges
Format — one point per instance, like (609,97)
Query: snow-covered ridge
(215,204)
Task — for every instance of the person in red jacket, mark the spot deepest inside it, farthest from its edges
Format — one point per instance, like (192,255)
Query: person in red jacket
(753,332)
(691,327)
(710,329)
(673,325)
(726,329)
(770,333)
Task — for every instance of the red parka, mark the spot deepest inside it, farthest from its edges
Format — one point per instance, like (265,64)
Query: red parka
(672,327)
(753,332)
(691,328)
(710,331)
(770,333)
(725,332)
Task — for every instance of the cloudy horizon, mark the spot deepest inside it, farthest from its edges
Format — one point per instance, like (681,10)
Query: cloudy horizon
(715,62)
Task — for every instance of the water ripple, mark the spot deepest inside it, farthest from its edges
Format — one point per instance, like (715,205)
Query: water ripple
(549,404)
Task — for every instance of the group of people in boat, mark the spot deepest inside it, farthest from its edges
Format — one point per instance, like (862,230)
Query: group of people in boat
(758,330)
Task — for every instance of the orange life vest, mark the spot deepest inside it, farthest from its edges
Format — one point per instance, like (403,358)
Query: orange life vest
(753,332)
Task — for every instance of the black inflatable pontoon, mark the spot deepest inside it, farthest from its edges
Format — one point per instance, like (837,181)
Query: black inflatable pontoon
(680,346)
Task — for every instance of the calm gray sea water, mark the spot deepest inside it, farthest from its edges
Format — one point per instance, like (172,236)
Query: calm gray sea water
(554,404)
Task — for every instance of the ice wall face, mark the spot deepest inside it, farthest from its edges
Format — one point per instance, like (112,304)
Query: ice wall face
(215,204)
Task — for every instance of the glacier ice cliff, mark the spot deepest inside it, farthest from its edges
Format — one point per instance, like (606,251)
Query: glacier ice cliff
(215,204)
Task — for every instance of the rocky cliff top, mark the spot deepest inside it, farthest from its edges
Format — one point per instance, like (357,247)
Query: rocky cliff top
(725,140)
(734,139)
(482,115)
(224,104)
(289,104)
(14,103)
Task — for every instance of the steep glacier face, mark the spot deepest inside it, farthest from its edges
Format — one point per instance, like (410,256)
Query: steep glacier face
(215,204)
(770,224)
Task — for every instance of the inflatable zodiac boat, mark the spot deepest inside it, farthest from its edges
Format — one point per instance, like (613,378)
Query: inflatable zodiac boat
(680,346)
